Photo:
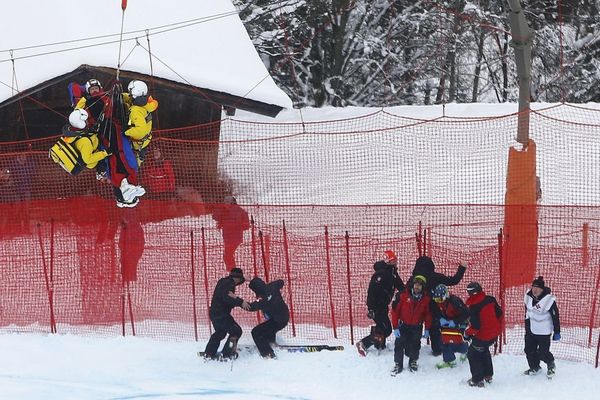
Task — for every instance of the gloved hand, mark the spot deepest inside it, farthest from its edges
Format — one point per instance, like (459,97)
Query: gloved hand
(447,323)
(556,336)
(426,334)
(371,314)
(397,333)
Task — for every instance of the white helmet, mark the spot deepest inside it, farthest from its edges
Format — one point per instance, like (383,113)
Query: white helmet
(78,118)
(137,89)
(91,83)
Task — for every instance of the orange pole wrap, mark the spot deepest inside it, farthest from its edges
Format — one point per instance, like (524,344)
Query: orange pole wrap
(123,4)
(520,218)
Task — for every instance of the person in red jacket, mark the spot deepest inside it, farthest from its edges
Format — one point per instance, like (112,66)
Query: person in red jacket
(408,316)
(484,327)
(158,175)
(232,220)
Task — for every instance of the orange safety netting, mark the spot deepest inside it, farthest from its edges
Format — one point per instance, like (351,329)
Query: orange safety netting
(70,261)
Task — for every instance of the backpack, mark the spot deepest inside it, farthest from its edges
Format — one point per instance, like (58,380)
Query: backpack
(67,156)
(76,92)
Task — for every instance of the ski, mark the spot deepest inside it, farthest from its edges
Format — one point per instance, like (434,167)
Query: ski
(288,348)
(218,357)
(309,348)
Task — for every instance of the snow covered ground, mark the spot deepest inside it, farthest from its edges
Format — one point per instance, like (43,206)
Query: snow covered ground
(72,367)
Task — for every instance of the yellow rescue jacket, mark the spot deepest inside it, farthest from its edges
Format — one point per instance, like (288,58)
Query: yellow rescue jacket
(140,121)
(87,146)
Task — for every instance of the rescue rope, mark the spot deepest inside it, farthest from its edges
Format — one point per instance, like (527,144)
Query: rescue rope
(15,84)
(152,83)
(123,7)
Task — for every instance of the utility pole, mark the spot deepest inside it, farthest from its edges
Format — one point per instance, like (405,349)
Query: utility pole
(521,42)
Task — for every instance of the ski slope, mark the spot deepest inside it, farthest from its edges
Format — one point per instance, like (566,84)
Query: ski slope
(73,368)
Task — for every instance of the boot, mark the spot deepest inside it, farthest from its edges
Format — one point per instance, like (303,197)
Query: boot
(360,347)
(397,369)
(412,366)
(230,348)
(472,383)
(551,370)
(444,364)
(533,371)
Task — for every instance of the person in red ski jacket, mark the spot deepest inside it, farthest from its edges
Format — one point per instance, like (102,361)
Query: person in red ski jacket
(232,220)
(485,316)
(408,316)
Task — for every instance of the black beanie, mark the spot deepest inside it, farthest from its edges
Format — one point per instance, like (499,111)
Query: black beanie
(539,282)
(237,273)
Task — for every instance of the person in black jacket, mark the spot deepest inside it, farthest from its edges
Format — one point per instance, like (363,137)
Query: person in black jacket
(424,266)
(275,312)
(223,301)
(383,283)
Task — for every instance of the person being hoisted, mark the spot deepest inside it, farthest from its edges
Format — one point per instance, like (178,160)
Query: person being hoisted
(79,147)
(95,101)
(141,106)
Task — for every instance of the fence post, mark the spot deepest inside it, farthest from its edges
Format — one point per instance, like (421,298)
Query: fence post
(122,307)
(585,246)
(130,310)
(289,278)
(192,254)
(594,306)
(253,232)
(329,285)
(429,243)
(502,288)
(263,255)
(347,237)
(419,238)
(206,280)
(48,281)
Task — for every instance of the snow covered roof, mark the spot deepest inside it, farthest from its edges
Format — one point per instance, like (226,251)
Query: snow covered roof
(202,43)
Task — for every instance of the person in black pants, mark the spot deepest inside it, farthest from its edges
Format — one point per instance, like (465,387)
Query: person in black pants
(485,325)
(275,312)
(424,266)
(383,283)
(541,323)
(223,301)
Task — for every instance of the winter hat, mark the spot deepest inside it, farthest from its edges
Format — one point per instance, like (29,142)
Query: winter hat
(389,257)
(424,264)
(539,282)
(474,288)
(229,200)
(258,286)
(238,273)
(421,279)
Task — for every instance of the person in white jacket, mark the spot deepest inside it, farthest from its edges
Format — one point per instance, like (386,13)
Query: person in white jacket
(541,324)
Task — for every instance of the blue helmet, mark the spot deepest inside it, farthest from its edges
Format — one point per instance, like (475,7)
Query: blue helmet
(440,293)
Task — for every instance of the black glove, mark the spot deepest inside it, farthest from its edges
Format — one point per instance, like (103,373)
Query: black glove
(371,314)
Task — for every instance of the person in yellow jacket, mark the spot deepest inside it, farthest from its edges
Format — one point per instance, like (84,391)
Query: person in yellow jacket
(140,107)
(86,142)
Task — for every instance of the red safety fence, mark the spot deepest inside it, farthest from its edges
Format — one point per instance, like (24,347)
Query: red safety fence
(76,269)
(71,262)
